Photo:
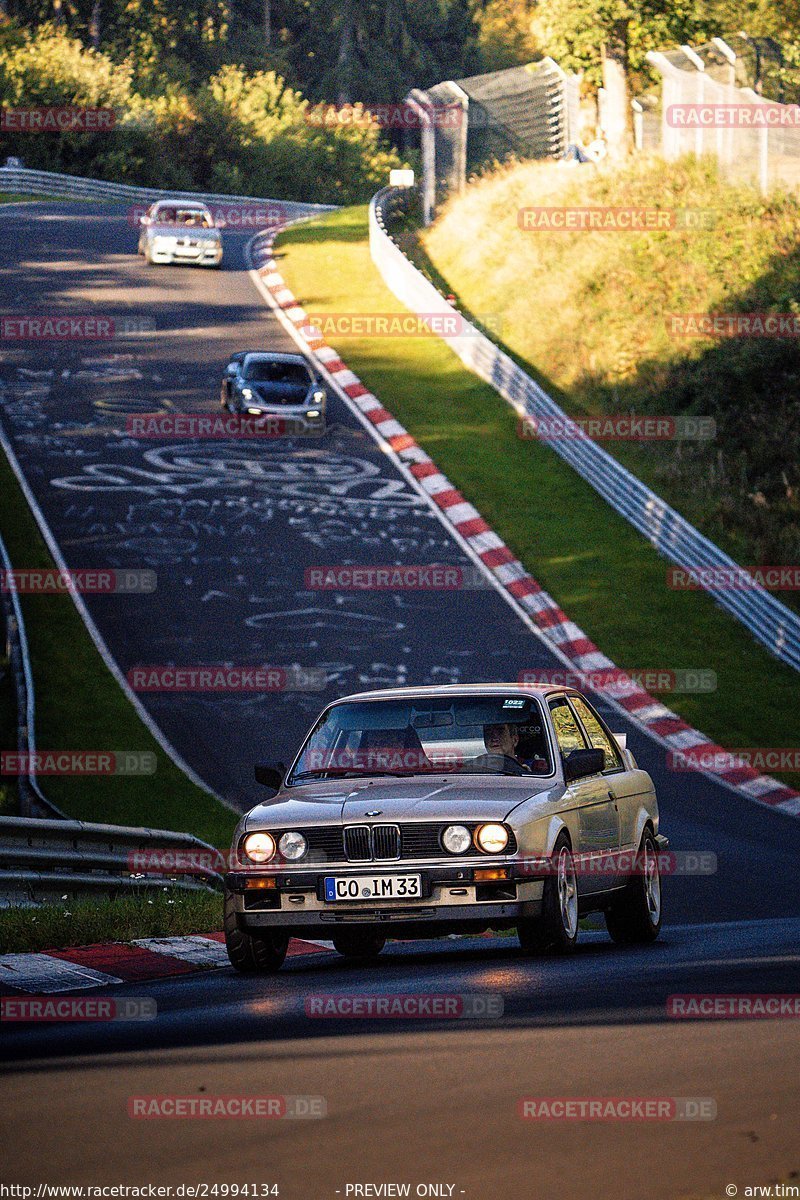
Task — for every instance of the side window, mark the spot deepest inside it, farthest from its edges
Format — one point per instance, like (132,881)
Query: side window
(568,732)
(597,735)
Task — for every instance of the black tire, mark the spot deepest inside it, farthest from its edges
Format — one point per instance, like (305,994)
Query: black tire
(635,917)
(365,944)
(250,953)
(556,930)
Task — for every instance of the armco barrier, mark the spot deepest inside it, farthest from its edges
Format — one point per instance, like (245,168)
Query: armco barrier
(44,860)
(21,181)
(769,621)
(32,801)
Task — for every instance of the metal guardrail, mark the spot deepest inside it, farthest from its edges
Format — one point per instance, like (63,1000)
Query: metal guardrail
(769,621)
(47,860)
(22,181)
(31,798)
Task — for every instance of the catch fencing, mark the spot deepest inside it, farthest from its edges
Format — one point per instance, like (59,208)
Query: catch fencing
(704,112)
(530,112)
(769,621)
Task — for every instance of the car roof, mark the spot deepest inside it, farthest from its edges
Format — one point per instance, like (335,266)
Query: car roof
(272,356)
(466,689)
(167,203)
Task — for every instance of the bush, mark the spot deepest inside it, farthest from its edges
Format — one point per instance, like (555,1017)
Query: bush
(239,133)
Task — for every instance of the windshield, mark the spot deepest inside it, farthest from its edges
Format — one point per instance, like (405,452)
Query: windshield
(196,217)
(266,371)
(494,735)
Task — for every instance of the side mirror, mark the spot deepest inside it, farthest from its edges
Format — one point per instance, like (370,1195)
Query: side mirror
(580,763)
(270,775)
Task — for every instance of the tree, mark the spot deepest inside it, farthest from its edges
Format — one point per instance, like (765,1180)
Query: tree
(608,41)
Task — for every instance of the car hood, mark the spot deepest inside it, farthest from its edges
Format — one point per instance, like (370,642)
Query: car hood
(186,231)
(440,798)
(278,393)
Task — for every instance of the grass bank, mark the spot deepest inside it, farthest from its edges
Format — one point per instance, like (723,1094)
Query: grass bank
(606,576)
(79,705)
(86,922)
(592,315)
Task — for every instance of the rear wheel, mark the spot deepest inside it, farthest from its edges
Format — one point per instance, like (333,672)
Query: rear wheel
(556,930)
(359,943)
(635,918)
(253,953)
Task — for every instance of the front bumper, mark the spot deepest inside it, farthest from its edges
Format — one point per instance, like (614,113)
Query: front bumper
(212,256)
(450,898)
(297,420)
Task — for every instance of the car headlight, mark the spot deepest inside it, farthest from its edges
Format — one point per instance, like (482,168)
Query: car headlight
(292,846)
(492,839)
(313,412)
(247,393)
(457,839)
(259,847)
(319,397)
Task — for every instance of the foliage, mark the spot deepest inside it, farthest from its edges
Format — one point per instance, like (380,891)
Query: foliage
(240,131)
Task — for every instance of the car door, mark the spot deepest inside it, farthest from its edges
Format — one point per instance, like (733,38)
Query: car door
(598,819)
(624,786)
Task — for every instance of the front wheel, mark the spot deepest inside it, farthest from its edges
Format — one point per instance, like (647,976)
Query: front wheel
(253,953)
(635,918)
(358,943)
(556,930)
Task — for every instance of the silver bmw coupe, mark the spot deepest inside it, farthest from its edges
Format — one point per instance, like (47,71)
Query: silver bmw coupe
(416,812)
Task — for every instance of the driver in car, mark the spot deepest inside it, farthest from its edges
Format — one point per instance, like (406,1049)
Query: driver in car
(502,739)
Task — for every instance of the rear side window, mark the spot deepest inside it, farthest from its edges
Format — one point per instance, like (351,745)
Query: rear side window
(568,732)
(597,735)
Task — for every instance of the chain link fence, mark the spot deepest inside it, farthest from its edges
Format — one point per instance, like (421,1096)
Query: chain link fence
(527,112)
(705,112)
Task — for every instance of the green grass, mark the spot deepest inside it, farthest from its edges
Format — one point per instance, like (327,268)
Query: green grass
(605,575)
(586,313)
(79,705)
(86,922)
(8,733)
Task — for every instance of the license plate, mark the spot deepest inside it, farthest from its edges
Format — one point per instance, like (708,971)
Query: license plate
(372,887)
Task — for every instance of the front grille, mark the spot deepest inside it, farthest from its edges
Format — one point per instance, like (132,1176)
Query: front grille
(379,843)
(357,843)
(386,842)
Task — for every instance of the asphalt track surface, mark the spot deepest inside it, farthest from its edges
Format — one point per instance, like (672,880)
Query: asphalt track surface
(229,528)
